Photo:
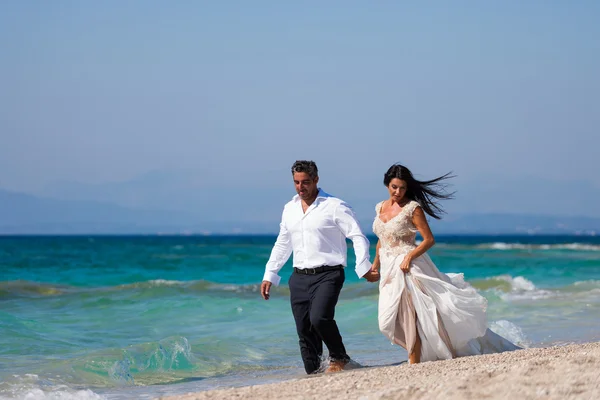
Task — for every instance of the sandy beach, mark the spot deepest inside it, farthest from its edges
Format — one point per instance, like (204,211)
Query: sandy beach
(564,372)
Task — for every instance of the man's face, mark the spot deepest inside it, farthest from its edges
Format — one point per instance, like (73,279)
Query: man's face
(306,187)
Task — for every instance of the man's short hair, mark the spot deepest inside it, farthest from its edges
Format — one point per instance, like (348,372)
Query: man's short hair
(308,167)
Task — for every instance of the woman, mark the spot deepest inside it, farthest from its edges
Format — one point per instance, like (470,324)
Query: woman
(432,315)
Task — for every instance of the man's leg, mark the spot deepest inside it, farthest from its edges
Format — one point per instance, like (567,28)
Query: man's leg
(324,294)
(311,346)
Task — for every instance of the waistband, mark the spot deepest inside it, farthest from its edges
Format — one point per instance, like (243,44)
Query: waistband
(318,270)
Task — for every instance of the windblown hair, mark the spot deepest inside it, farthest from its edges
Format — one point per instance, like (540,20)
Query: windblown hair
(308,167)
(424,192)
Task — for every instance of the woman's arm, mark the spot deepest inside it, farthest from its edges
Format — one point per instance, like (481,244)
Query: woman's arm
(376,263)
(420,222)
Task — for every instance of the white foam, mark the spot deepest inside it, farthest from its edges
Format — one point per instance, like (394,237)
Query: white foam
(511,332)
(522,289)
(31,391)
(503,246)
(593,285)
(525,296)
(152,284)
(588,282)
(520,246)
(63,395)
(521,284)
(581,246)
(165,282)
(517,284)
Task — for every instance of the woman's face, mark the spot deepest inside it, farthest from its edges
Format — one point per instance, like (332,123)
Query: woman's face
(397,189)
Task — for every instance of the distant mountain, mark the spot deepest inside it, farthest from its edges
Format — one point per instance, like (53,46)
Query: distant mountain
(257,197)
(516,224)
(23,214)
(244,198)
(526,196)
(27,214)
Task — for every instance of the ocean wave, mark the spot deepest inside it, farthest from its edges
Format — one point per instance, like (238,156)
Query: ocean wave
(23,288)
(43,392)
(153,283)
(519,288)
(31,386)
(524,289)
(589,284)
(170,360)
(511,332)
(505,283)
(29,289)
(507,287)
(521,246)
(197,286)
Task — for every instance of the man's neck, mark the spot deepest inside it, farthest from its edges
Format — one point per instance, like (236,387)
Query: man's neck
(311,200)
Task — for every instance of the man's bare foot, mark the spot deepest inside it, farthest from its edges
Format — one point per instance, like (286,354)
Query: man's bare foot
(336,366)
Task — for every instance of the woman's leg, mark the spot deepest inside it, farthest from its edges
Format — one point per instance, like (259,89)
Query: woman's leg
(415,356)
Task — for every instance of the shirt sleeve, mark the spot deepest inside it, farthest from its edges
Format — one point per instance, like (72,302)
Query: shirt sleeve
(345,219)
(279,255)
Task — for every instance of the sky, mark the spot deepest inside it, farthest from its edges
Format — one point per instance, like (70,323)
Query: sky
(235,91)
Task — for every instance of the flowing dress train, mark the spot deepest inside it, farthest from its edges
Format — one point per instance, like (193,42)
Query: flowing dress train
(448,314)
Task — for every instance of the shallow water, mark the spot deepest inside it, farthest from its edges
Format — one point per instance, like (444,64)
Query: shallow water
(122,317)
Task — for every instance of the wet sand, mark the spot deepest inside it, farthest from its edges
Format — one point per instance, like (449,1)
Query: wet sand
(564,372)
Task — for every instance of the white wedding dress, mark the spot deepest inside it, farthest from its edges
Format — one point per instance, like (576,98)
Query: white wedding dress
(448,314)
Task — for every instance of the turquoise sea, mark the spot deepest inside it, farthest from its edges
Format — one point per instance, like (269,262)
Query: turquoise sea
(120,317)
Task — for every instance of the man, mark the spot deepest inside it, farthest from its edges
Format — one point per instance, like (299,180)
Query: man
(314,226)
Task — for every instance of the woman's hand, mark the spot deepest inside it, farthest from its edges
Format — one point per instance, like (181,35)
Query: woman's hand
(372,275)
(405,266)
(376,264)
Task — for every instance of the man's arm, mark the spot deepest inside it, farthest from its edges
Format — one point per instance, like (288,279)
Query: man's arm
(282,249)
(345,219)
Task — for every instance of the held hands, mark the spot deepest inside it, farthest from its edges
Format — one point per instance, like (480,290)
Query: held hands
(265,288)
(372,275)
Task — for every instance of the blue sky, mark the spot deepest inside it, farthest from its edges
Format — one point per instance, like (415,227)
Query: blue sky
(98,92)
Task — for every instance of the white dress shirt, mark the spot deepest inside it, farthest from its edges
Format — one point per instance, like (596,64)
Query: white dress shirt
(317,237)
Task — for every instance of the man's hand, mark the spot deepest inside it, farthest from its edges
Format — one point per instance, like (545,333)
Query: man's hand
(265,288)
(372,275)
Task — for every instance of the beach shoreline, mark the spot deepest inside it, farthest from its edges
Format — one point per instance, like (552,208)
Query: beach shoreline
(560,372)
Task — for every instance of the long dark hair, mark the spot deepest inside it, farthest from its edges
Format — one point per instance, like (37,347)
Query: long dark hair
(424,192)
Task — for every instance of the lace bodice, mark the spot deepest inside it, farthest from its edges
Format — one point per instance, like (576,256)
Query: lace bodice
(398,234)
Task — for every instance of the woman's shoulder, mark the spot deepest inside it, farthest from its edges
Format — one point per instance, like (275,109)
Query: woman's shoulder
(412,206)
(378,206)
